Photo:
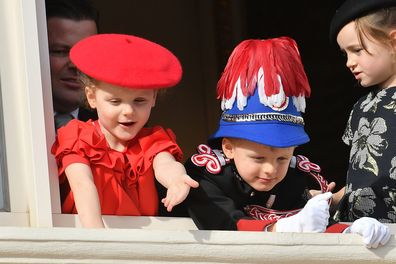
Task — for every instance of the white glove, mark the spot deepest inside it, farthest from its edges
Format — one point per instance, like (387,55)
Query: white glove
(372,231)
(314,217)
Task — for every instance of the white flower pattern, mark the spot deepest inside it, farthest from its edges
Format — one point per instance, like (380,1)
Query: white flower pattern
(363,201)
(390,201)
(370,104)
(392,171)
(392,104)
(368,142)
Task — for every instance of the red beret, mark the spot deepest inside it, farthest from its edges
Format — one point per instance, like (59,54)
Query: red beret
(126,61)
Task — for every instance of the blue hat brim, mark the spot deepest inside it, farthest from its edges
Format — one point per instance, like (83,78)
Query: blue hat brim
(273,134)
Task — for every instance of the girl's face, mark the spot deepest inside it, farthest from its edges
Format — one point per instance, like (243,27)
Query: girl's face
(376,66)
(262,167)
(122,112)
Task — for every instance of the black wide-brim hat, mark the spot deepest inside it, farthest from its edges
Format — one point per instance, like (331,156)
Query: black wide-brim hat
(352,9)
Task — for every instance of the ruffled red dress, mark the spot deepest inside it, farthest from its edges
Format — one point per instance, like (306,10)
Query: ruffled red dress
(124,180)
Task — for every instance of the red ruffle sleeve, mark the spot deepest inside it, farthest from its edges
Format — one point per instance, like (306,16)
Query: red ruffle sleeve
(124,180)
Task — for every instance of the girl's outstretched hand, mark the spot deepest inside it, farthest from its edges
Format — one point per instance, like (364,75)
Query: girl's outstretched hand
(173,176)
(178,191)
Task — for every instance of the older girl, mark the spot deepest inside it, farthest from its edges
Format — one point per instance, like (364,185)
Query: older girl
(366,32)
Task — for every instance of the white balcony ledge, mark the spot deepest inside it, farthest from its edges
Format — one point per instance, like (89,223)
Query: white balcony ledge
(121,245)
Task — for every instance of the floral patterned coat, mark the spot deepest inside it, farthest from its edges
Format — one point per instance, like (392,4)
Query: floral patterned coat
(371,178)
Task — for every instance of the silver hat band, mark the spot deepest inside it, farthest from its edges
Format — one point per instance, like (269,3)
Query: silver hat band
(263,117)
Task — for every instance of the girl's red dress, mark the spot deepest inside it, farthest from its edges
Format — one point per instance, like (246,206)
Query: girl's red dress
(124,180)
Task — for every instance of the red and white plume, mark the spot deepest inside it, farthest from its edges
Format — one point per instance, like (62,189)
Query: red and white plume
(273,66)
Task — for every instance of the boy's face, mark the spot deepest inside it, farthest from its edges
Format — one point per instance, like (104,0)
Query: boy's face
(262,167)
(122,112)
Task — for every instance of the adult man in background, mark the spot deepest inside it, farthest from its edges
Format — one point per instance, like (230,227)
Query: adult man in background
(68,21)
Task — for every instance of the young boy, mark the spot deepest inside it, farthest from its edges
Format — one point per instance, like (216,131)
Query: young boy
(248,177)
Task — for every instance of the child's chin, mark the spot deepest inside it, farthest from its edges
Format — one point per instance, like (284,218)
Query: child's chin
(128,137)
(263,188)
(365,84)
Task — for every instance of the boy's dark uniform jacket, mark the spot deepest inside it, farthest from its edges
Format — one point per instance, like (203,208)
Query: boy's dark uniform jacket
(220,200)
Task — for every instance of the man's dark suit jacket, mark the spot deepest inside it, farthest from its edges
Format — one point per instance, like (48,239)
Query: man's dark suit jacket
(85,114)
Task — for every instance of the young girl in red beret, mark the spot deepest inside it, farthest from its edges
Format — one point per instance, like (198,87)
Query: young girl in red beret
(365,31)
(108,166)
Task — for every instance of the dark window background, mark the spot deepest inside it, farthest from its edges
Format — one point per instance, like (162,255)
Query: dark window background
(334,90)
(203,33)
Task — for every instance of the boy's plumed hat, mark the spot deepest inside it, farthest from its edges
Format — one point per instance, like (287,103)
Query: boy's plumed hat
(126,61)
(263,89)
(352,9)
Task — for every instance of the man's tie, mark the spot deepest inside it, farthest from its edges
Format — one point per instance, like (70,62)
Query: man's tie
(62,119)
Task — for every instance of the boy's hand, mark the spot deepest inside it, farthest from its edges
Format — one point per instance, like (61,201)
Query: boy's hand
(373,232)
(314,217)
(178,191)
(330,188)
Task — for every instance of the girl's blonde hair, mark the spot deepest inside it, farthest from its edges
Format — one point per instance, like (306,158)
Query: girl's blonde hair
(376,26)
(90,83)
(87,83)
(86,80)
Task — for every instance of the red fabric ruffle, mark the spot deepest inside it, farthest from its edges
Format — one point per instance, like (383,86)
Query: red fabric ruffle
(124,180)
